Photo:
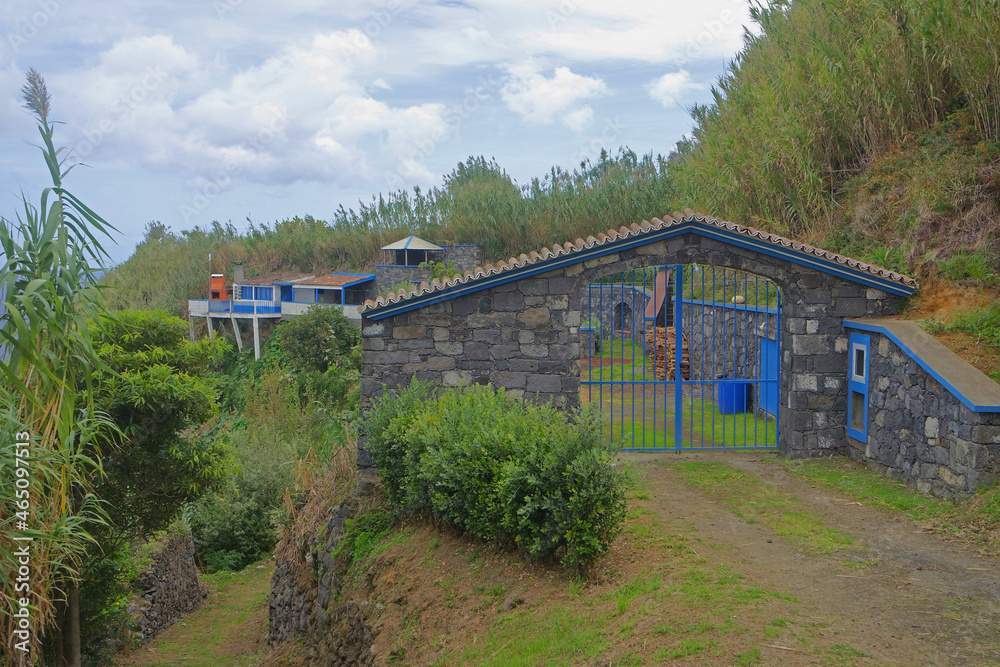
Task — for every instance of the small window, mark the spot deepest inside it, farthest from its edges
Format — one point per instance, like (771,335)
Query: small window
(857,387)
(215,296)
(859,365)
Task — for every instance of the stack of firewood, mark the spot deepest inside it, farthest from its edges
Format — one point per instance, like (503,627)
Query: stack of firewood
(663,342)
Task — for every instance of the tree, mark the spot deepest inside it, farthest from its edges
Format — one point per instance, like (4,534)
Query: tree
(157,389)
(158,392)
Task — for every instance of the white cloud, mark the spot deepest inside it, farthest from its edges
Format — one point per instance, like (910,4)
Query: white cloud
(301,114)
(670,87)
(540,100)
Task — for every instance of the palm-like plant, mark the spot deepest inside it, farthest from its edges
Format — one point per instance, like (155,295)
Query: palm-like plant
(49,299)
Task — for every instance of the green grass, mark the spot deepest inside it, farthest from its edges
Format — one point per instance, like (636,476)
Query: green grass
(641,585)
(702,424)
(865,486)
(206,636)
(534,637)
(754,501)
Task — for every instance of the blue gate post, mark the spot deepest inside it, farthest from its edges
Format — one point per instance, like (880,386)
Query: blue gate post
(679,346)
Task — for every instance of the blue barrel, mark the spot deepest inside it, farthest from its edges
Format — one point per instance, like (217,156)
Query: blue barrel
(733,397)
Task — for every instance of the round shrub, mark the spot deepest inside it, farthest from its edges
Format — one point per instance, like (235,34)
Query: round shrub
(501,469)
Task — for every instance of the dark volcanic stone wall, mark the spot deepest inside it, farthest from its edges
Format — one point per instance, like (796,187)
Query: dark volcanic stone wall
(722,339)
(920,433)
(170,586)
(303,601)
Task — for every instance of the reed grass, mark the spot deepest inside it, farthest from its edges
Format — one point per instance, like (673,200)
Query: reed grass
(825,85)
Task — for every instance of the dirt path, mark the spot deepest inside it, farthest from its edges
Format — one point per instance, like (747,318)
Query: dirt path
(917,600)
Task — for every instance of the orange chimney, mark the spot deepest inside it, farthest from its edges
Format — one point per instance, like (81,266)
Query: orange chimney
(218,287)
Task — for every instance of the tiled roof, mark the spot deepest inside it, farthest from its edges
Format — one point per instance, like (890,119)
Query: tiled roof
(612,236)
(277,277)
(336,280)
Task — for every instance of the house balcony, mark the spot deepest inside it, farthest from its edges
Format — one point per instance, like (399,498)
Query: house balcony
(245,307)
(237,307)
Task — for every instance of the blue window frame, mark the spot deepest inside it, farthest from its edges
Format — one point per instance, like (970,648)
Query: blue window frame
(859,361)
(264,293)
(246,292)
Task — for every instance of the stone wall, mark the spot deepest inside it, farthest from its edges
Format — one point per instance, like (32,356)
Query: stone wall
(921,433)
(388,275)
(304,595)
(465,257)
(722,339)
(524,336)
(169,584)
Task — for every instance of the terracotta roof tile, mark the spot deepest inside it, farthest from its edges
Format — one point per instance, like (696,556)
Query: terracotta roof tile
(636,229)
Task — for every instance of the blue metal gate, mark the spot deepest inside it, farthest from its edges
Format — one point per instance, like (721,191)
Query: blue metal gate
(683,357)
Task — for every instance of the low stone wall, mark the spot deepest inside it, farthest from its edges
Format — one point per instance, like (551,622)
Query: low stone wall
(919,432)
(170,586)
(304,589)
(388,276)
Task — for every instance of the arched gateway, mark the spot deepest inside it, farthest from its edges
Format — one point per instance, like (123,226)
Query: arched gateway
(735,301)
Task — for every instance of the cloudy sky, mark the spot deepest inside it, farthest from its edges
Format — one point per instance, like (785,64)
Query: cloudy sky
(192,111)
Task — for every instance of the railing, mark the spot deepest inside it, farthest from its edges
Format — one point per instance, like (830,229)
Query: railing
(205,307)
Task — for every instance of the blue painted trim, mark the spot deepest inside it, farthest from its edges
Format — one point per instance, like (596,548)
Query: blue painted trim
(734,306)
(858,387)
(356,282)
(923,364)
(689,227)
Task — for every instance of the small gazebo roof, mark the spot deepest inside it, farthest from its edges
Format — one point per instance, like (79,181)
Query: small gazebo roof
(412,243)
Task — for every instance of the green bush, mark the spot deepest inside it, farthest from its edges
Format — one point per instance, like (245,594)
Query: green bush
(501,469)
(236,526)
(386,426)
(320,338)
